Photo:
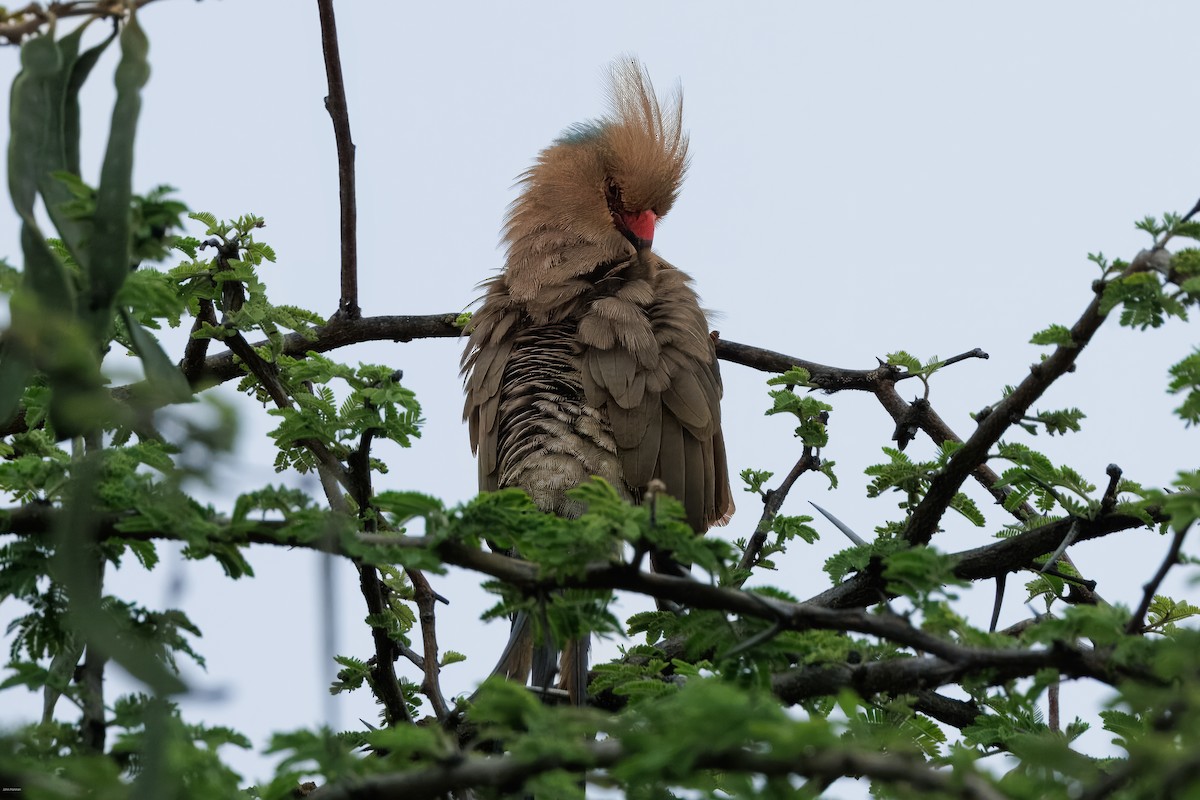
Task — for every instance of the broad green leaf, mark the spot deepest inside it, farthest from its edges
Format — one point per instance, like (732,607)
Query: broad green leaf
(166,382)
(111,243)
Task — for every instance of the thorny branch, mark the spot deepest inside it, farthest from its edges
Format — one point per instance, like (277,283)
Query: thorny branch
(792,616)
(426,600)
(982,562)
(384,681)
(505,772)
(928,513)
(772,502)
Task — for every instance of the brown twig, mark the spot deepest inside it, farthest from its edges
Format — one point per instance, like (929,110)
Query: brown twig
(772,502)
(335,104)
(268,376)
(426,600)
(384,682)
(342,332)
(1136,622)
(196,348)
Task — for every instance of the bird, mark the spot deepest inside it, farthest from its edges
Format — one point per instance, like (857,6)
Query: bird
(589,354)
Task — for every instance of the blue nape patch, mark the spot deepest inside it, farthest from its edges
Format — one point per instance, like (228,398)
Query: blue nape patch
(581,132)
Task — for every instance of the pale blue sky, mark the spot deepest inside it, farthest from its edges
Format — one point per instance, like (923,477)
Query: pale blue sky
(865,177)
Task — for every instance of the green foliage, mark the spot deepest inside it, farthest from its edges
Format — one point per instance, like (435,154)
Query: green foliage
(912,479)
(1055,335)
(1185,376)
(377,405)
(698,706)
(809,411)
(755,479)
(1034,477)
(920,571)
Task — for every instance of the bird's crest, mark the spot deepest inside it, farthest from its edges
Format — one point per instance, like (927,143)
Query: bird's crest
(632,159)
(644,138)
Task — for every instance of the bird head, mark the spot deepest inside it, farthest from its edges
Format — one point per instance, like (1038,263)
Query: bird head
(607,182)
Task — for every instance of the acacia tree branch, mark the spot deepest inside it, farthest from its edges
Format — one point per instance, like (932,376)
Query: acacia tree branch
(772,502)
(335,104)
(426,600)
(1137,621)
(986,561)
(990,560)
(949,660)
(921,415)
(268,376)
(925,517)
(384,682)
(1068,659)
(508,772)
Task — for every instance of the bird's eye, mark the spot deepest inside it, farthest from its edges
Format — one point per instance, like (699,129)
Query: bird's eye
(612,192)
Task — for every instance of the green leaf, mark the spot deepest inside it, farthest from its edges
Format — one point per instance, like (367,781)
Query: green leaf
(405,506)
(795,376)
(1055,335)
(755,478)
(166,382)
(900,358)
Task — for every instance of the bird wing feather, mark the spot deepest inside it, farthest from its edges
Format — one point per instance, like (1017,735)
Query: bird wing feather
(652,368)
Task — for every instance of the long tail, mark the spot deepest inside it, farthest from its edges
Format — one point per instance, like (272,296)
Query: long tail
(516,660)
(574,667)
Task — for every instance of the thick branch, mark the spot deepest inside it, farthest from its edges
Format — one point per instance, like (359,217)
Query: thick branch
(507,772)
(524,575)
(945,485)
(988,561)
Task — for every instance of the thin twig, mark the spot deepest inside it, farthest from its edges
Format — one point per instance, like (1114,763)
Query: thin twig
(772,502)
(17,24)
(1053,697)
(1136,622)
(976,353)
(384,682)
(426,600)
(335,104)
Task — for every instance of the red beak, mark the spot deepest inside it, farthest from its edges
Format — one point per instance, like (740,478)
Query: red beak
(639,227)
